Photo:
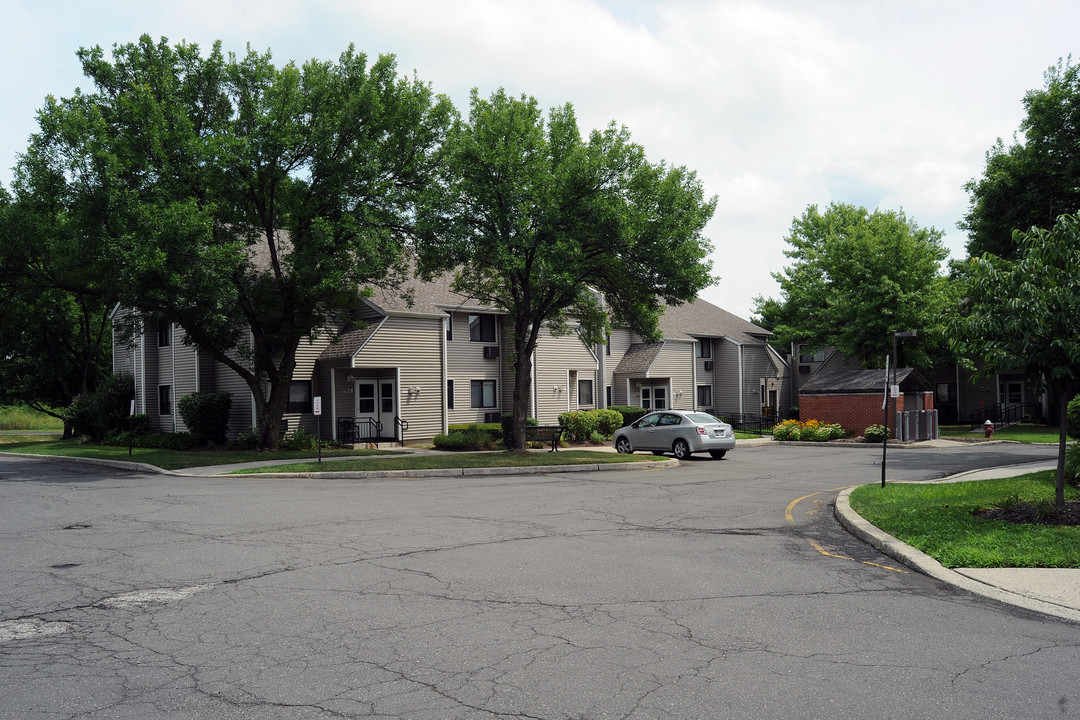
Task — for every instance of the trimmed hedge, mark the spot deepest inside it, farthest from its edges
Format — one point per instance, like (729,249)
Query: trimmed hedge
(494,430)
(206,415)
(581,425)
(630,413)
(473,438)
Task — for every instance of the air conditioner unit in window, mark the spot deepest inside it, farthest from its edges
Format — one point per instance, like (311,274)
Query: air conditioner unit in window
(491,351)
(492,417)
(708,366)
(804,369)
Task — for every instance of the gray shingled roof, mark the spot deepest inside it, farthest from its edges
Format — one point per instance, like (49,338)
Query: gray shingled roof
(861,382)
(703,319)
(348,343)
(639,358)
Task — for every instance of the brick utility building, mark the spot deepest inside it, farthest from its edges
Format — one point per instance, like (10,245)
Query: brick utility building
(852,399)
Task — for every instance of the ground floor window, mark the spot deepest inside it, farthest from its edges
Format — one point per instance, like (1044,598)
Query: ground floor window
(299,397)
(584,392)
(164,399)
(704,396)
(449,394)
(483,393)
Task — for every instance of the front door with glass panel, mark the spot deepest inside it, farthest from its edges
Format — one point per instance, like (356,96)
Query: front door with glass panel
(654,397)
(1012,392)
(376,407)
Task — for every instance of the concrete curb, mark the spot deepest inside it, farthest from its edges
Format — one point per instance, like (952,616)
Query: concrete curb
(453,472)
(921,562)
(118,464)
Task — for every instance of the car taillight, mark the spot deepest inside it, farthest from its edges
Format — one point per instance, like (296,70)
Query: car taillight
(702,431)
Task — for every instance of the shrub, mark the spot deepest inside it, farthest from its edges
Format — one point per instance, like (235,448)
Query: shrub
(95,413)
(299,439)
(629,413)
(494,430)
(138,426)
(809,431)
(577,424)
(1072,463)
(875,433)
(470,439)
(608,421)
(599,438)
(1072,427)
(206,415)
(248,440)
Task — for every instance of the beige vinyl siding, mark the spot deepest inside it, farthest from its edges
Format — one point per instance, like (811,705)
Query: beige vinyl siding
(676,364)
(465,362)
(756,365)
(241,412)
(559,363)
(726,377)
(184,373)
(307,354)
(706,377)
(411,348)
(621,340)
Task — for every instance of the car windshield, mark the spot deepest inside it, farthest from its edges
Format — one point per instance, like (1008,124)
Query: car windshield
(703,418)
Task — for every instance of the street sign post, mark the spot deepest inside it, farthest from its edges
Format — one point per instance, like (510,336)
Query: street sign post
(316,407)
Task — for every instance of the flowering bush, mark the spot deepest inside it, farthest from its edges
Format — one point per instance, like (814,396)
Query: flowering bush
(810,431)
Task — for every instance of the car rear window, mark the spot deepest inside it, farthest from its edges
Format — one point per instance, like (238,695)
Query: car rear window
(703,418)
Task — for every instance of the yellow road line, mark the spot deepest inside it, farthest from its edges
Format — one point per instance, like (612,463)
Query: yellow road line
(816,546)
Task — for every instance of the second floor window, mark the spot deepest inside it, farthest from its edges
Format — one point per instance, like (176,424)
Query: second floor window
(704,348)
(164,334)
(482,328)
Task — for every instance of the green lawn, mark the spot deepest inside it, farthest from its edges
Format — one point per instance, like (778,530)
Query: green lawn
(458,460)
(20,417)
(170,459)
(1025,433)
(938,519)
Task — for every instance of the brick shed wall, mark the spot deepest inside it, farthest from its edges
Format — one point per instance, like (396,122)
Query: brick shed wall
(854,413)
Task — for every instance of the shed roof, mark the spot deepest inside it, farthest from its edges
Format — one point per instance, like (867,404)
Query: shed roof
(862,382)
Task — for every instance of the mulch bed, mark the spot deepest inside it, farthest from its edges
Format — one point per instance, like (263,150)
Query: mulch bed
(1035,513)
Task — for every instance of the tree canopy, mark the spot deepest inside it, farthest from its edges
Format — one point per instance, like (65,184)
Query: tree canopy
(1023,315)
(556,229)
(857,277)
(250,204)
(1037,178)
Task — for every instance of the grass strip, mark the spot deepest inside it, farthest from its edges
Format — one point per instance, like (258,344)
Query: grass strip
(939,520)
(1020,433)
(172,459)
(464,460)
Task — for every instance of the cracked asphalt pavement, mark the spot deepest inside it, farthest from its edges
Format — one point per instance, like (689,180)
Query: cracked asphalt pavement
(719,589)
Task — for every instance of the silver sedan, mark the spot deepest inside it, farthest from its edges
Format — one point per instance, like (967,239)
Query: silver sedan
(677,431)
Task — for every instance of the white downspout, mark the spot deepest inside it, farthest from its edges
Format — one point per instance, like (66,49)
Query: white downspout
(742,388)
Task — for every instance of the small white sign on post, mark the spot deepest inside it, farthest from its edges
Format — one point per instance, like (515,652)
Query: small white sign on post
(132,411)
(316,404)
(894,391)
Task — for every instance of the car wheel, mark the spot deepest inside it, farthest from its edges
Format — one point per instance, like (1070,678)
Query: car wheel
(623,445)
(681,449)
(718,453)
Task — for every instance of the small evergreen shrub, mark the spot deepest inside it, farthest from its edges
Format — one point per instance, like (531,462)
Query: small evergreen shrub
(106,408)
(299,439)
(471,439)
(247,440)
(494,430)
(206,415)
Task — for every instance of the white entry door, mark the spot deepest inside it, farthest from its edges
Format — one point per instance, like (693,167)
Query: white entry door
(654,397)
(376,402)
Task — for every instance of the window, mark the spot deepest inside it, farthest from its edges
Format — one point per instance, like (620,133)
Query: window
(482,328)
(386,394)
(449,322)
(704,396)
(815,356)
(299,397)
(607,395)
(584,392)
(164,334)
(365,398)
(483,393)
(607,348)
(703,349)
(945,392)
(449,394)
(164,393)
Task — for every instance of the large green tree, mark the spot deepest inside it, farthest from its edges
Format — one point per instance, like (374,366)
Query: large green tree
(248,203)
(1023,315)
(556,229)
(856,278)
(1037,178)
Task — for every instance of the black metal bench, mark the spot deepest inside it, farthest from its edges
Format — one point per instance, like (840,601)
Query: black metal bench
(545,433)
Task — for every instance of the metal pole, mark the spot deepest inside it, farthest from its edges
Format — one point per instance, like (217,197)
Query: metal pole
(885,408)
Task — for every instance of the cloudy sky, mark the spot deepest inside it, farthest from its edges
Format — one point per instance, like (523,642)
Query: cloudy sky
(776,104)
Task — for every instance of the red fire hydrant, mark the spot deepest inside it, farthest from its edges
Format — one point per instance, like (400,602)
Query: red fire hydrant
(988,427)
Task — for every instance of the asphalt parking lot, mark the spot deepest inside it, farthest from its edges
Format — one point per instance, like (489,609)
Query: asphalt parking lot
(676,593)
